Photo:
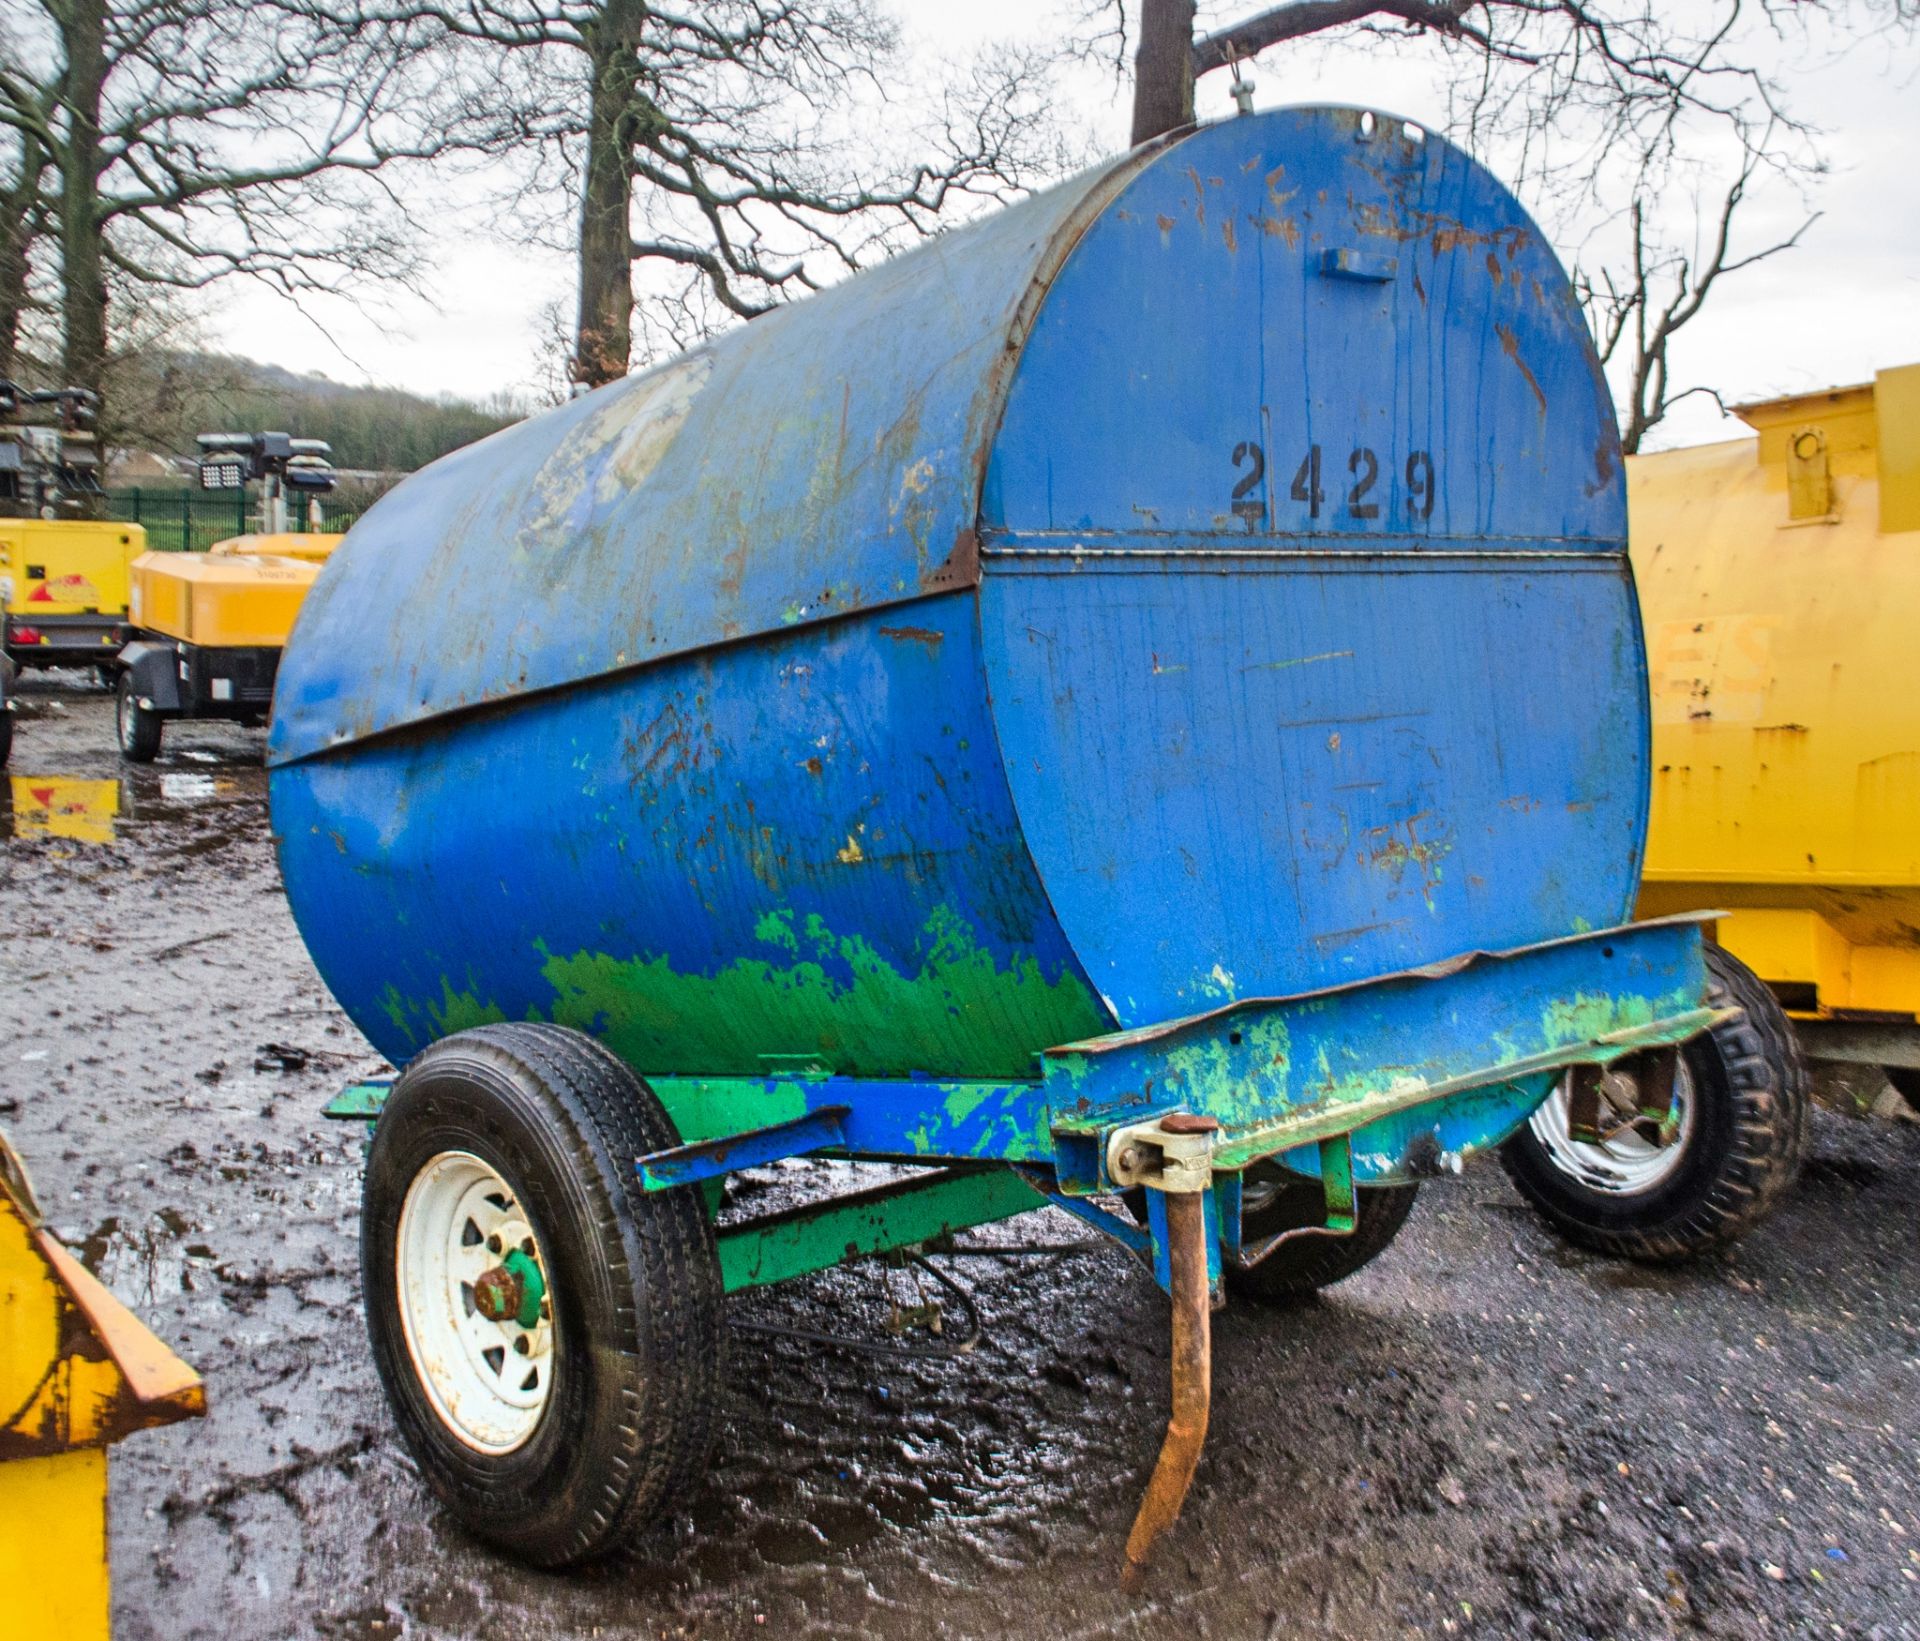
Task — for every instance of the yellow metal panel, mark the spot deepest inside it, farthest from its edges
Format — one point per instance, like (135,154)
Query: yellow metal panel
(1786,692)
(1886,977)
(77,1369)
(1809,475)
(221,599)
(1793,946)
(30,1304)
(1843,414)
(317,546)
(1896,399)
(67,566)
(53,1547)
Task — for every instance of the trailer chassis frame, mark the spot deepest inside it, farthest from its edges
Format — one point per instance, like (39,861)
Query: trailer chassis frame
(1371,1082)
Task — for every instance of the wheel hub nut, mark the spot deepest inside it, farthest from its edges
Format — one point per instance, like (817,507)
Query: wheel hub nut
(498,1293)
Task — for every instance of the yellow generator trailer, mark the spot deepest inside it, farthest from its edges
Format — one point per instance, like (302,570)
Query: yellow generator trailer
(63,589)
(208,631)
(1779,581)
(63,570)
(208,628)
(1780,584)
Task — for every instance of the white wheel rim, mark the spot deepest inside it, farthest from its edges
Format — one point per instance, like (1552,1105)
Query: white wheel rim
(1624,1162)
(489,1381)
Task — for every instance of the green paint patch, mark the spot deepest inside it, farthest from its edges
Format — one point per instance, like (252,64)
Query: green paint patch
(427,1022)
(829,997)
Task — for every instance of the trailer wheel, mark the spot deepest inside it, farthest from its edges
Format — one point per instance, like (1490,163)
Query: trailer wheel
(1302,1265)
(549,1334)
(6,734)
(1739,1131)
(138,727)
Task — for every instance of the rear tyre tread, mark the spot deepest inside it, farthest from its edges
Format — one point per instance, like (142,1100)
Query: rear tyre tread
(1751,1068)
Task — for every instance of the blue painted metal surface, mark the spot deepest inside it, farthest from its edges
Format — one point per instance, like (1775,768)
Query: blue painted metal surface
(1431,1065)
(820,1129)
(1314,600)
(1205,582)
(796,851)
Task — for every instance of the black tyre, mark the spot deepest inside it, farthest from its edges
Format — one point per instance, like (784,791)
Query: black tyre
(1301,1266)
(1274,1200)
(549,1335)
(1741,1104)
(6,735)
(138,727)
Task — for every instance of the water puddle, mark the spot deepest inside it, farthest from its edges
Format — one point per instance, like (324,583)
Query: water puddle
(93,810)
(60,806)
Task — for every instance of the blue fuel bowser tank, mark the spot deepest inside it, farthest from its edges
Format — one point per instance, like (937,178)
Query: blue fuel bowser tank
(1141,694)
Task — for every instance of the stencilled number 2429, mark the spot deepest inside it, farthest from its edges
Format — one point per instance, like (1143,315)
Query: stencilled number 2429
(1358,493)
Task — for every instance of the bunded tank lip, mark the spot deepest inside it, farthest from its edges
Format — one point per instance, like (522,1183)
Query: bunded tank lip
(1183,545)
(959,572)
(1439,969)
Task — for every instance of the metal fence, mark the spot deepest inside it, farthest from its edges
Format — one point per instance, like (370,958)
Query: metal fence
(180,519)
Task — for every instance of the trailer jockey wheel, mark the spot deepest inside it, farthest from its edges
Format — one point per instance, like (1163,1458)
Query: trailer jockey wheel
(549,1334)
(1729,1146)
(138,727)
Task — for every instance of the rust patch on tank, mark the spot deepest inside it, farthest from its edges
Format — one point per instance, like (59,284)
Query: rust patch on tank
(1510,346)
(924,636)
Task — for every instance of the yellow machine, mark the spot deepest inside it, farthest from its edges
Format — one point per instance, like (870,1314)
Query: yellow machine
(64,587)
(77,1372)
(240,594)
(1780,585)
(63,571)
(208,631)
(209,627)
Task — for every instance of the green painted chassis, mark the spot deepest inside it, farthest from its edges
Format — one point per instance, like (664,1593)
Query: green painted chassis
(1365,1083)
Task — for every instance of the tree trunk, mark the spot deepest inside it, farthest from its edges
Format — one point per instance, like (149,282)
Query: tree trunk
(83,307)
(1163,69)
(19,222)
(16,254)
(604,346)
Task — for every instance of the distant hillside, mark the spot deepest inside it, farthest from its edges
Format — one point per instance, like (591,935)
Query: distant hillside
(384,429)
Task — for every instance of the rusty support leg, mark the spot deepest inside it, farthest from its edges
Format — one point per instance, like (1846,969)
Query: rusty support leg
(1192,1381)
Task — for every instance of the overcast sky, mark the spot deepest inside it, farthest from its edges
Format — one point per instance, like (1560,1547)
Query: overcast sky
(1844,303)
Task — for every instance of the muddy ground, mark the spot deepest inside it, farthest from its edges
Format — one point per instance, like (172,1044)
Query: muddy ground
(1482,1434)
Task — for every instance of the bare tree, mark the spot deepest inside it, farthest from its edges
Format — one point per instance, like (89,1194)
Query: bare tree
(730,149)
(1163,69)
(181,142)
(21,217)
(1635,313)
(1594,109)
